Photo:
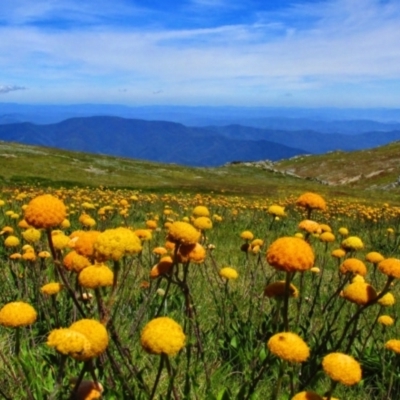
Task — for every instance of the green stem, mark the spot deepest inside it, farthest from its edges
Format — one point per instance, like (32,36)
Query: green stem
(160,367)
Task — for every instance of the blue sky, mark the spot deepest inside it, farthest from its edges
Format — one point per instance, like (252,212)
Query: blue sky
(340,53)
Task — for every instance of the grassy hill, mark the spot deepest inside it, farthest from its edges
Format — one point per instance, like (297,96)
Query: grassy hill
(346,173)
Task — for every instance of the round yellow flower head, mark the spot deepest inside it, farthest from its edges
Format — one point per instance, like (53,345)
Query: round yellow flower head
(374,257)
(247,235)
(203,223)
(183,233)
(290,254)
(162,267)
(88,390)
(276,210)
(95,276)
(338,253)
(84,244)
(342,368)
(228,273)
(311,201)
(343,231)
(201,211)
(386,320)
(160,251)
(75,262)
(60,240)
(390,267)
(11,241)
(143,234)
(387,300)
(113,244)
(16,314)
(151,224)
(162,336)
(309,226)
(97,335)
(393,345)
(360,293)
(31,235)
(327,237)
(44,254)
(357,278)
(325,228)
(352,243)
(70,343)
(289,347)
(353,265)
(193,252)
(277,289)
(307,395)
(45,211)
(51,288)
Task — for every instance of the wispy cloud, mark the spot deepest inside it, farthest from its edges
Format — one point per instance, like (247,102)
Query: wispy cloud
(10,88)
(326,47)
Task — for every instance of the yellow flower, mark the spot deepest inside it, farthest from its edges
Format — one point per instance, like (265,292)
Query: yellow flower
(143,234)
(162,336)
(97,335)
(203,223)
(353,265)
(113,244)
(247,235)
(151,224)
(390,267)
(193,252)
(309,226)
(51,288)
(360,293)
(162,267)
(75,262)
(374,257)
(88,390)
(338,253)
(343,231)
(325,228)
(342,368)
(84,244)
(352,243)
(386,320)
(327,237)
(307,395)
(160,251)
(17,314)
(289,346)
(201,211)
(311,201)
(11,241)
(393,345)
(60,240)
(31,235)
(44,254)
(290,254)
(276,210)
(387,300)
(277,289)
(70,343)
(95,276)
(183,233)
(228,273)
(45,211)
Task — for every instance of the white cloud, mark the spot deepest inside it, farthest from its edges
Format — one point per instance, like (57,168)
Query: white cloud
(306,47)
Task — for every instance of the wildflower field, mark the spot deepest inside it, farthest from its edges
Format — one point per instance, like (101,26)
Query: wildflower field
(118,294)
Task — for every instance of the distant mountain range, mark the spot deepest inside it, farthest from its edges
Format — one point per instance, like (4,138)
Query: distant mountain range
(172,142)
(324,120)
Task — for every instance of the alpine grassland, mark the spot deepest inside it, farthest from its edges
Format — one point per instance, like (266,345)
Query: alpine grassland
(179,283)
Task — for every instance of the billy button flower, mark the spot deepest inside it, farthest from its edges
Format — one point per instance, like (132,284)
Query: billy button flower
(95,276)
(390,267)
(51,288)
(69,343)
(393,345)
(289,347)
(307,395)
(31,235)
(352,244)
(75,262)
(310,226)
(290,254)
(228,273)
(162,336)
(84,244)
(194,252)
(203,223)
(353,265)
(16,314)
(311,201)
(374,257)
(11,241)
(45,211)
(360,293)
(276,211)
(277,290)
(201,211)
(162,267)
(387,300)
(183,233)
(385,320)
(342,368)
